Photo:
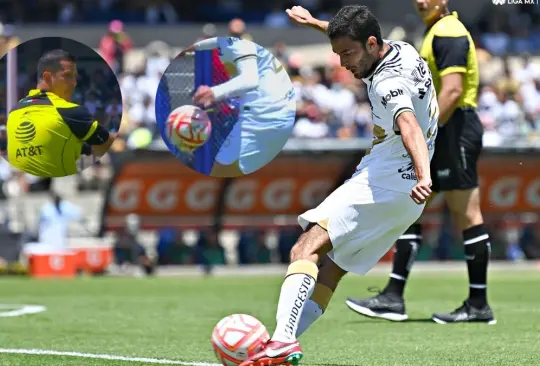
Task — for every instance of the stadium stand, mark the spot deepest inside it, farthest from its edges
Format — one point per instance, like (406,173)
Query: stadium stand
(331,104)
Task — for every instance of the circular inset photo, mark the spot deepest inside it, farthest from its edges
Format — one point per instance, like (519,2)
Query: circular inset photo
(63,106)
(225,107)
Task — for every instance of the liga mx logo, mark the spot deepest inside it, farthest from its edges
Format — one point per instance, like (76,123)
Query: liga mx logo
(499,2)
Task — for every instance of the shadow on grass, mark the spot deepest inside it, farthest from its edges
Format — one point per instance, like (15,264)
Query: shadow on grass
(413,320)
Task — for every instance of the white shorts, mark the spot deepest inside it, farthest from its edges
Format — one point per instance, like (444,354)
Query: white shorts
(363,223)
(255,140)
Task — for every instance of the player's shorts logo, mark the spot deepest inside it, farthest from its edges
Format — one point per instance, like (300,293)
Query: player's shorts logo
(499,2)
(407,172)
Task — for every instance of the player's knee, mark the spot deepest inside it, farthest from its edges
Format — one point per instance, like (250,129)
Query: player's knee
(465,208)
(298,252)
(470,218)
(313,243)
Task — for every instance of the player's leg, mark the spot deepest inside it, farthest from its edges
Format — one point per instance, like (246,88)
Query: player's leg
(328,231)
(300,281)
(389,303)
(296,289)
(354,223)
(463,199)
(328,279)
(226,162)
(464,206)
(465,209)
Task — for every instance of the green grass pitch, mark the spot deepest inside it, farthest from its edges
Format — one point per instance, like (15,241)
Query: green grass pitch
(172,318)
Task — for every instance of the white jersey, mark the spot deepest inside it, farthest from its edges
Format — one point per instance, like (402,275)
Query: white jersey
(275,87)
(400,82)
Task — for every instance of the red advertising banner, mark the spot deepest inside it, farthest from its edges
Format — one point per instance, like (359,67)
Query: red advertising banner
(164,192)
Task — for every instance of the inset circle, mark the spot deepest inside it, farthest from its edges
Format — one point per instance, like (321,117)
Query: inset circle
(227,109)
(64,107)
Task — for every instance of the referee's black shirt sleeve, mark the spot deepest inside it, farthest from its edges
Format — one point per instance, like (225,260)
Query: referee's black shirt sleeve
(450,52)
(80,122)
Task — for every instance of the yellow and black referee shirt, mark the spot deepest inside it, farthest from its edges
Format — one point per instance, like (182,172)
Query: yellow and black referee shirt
(45,134)
(448,48)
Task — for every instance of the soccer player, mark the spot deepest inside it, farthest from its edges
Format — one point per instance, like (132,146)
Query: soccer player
(46,132)
(267,104)
(359,222)
(451,56)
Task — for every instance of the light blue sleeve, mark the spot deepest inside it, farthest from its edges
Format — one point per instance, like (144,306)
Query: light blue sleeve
(207,44)
(246,80)
(242,48)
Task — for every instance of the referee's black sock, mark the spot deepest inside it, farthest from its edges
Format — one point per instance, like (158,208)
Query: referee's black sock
(477,253)
(407,248)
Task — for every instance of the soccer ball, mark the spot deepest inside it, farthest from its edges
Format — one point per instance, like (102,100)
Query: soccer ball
(237,337)
(188,127)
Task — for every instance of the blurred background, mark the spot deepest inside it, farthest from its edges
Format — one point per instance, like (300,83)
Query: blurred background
(150,210)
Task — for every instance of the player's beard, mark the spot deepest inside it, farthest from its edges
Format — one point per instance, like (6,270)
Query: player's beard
(362,74)
(365,71)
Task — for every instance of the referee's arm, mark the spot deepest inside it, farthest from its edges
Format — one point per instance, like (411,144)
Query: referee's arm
(83,125)
(451,55)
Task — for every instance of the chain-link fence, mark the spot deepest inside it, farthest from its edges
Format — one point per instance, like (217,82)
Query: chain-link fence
(178,84)
(175,89)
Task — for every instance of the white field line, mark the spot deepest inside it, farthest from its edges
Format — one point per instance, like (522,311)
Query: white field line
(38,352)
(8,310)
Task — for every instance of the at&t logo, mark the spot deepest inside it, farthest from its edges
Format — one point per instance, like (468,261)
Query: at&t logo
(499,2)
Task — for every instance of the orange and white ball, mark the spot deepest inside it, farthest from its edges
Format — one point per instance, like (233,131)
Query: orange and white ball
(237,337)
(188,127)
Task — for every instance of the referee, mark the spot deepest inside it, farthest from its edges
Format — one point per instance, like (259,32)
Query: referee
(46,133)
(450,53)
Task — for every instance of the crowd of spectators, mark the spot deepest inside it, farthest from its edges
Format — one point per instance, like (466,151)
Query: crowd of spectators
(154,11)
(332,104)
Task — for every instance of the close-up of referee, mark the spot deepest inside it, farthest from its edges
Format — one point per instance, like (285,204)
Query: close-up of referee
(450,53)
(46,132)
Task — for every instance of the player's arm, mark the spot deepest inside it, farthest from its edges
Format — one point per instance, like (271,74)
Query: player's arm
(247,77)
(205,44)
(399,109)
(415,143)
(451,59)
(303,17)
(88,130)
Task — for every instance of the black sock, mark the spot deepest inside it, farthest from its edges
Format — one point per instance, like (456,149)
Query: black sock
(477,253)
(407,248)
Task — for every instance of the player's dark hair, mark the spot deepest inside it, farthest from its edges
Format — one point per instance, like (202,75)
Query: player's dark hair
(356,22)
(51,61)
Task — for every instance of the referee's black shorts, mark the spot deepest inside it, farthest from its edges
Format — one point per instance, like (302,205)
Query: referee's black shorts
(457,149)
